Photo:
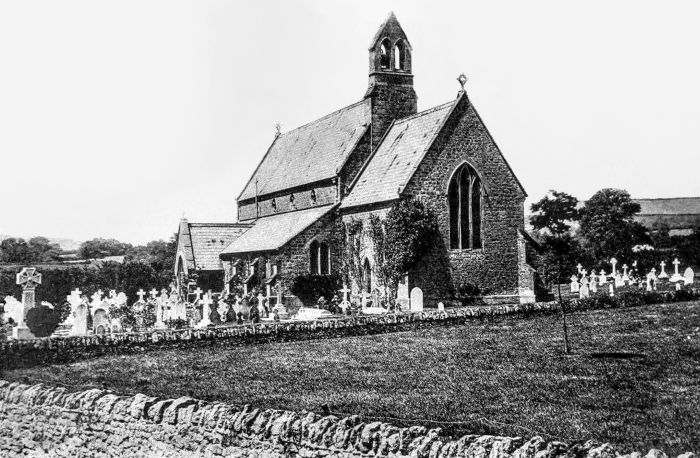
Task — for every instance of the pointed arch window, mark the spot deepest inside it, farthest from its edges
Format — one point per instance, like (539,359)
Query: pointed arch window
(465,201)
(399,56)
(384,56)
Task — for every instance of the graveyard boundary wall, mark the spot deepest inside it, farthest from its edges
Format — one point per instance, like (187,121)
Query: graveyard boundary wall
(37,420)
(28,353)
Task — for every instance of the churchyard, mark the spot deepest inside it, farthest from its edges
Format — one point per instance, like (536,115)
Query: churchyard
(632,379)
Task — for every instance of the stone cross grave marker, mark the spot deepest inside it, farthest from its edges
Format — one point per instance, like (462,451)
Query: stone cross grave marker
(346,303)
(613,262)
(579,267)
(198,292)
(625,277)
(663,273)
(602,278)
(28,279)
(140,294)
(594,282)
(676,276)
(153,293)
(206,311)
(416,300)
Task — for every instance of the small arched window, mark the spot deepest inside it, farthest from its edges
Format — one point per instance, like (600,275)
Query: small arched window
(399,56)
(464,200)
(325,259)
(313,257)
(367,274)
(274,205)
(384,56)
(313,196)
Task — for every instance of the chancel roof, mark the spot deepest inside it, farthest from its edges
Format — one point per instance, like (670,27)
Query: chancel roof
(273,232)
(310,153)
(397,157)
(209,239)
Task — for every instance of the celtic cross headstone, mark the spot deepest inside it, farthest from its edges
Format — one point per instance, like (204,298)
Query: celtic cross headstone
(28,279)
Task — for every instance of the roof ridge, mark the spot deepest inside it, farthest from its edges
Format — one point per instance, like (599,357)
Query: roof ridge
(324,117)
(219,224)
(425,112)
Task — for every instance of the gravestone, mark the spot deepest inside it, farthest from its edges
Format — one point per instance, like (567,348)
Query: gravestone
(13,309)
(28,279)
(345,305)
(676,276)
(574,284)
(441,307)
(688,276)
(584,292)
(593,286)
(603,278)
(100,322)
(618,281)
(222,310)
(206,311)
(79,313)
(402,298)
(663,273)
(416,300)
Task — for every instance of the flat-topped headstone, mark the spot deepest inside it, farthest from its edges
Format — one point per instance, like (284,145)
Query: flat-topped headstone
(416,300)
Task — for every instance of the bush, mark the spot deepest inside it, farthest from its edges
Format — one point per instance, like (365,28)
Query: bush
(43,321)
(309,288)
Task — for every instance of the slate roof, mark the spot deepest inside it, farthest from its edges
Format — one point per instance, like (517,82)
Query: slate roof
(398,156)
(680,213)
(310,153)
(671,206)
(209,239)
(273,232)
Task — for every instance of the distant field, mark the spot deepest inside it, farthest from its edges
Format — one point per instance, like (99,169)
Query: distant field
(633,380)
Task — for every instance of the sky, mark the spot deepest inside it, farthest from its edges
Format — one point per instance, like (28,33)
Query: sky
(118,118)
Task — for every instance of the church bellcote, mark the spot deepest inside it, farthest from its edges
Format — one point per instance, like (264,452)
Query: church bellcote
(390,78)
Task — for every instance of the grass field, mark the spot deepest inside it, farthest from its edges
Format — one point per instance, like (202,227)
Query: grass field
(633,378)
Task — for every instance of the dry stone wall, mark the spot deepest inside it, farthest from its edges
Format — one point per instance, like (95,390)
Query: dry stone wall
(36,420)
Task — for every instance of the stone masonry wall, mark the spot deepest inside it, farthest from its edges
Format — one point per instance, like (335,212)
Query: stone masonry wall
(495,267)
(38,420)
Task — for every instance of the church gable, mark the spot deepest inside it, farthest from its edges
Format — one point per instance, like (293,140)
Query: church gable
(397,157)
(464,139)
(311,153)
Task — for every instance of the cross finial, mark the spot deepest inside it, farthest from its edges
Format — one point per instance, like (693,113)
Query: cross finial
(29,278)
(462,78)
(278,129)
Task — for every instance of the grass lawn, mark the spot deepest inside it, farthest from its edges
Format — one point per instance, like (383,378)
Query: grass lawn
(633,380)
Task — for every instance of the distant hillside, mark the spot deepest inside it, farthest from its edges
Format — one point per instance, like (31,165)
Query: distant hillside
(65,244)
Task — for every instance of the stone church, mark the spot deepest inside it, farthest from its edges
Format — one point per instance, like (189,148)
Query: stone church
(359,161)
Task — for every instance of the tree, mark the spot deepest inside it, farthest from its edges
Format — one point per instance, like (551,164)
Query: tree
(14,250)
(555,213)
(553,217)
(42,250)
(608,226)
(100,248)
